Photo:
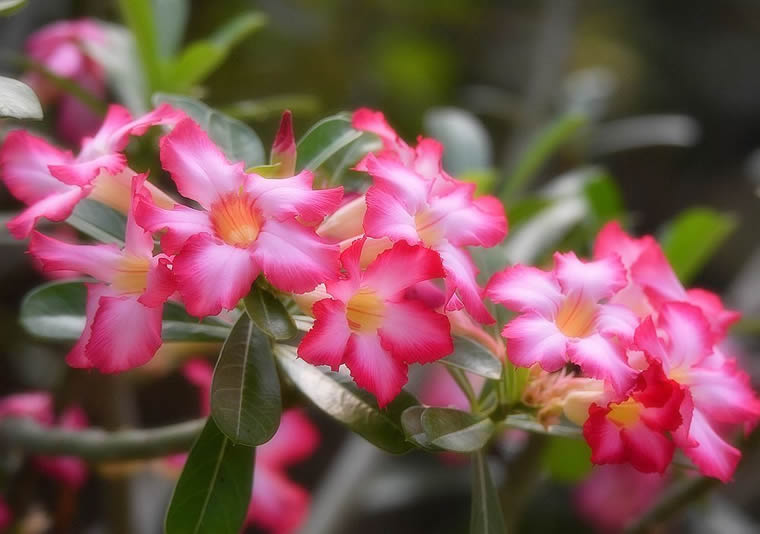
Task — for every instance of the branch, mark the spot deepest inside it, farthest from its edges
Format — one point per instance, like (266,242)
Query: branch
(98,445)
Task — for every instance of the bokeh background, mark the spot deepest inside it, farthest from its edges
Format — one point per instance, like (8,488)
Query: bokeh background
(686,71)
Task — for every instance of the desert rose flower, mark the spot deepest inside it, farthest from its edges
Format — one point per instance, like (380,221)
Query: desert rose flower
(124,308)
(564,317)
(246,225)
(51,181)
(372,326)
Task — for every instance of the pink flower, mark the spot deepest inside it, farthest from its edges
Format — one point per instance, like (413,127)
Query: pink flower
(51,182)
(412,199)
(61,48)
(717,393)
(372,326)
(563,317)
(277,504)
(247,225)
(613,495)
(123,323)
(284,147)
(38,406)
(634,430)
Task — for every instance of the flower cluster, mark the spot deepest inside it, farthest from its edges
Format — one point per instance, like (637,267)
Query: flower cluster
(651,351)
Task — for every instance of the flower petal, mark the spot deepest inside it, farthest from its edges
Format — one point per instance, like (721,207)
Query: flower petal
(602,359)
(37,405)
(387,217)
(712,454)
(296,439)
(161,283)
(522,288)
(77,356)
(401,267)
(212,275)
(180,223)
(85,172)
(594,279)
(277,504)
(325,343)
(649,451)
(292,197)
(724,394)
(98,261)
(396,179)
(461,277)
(533,339)
(603,436)
(413,333)
(293,257)
(612,240)
(689,336)
(373,368)
(56,207)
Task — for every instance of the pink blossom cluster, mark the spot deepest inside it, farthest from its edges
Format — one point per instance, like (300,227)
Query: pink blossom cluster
(652,349)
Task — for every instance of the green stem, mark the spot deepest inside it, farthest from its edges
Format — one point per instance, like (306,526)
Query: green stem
(461,379)
(99,445)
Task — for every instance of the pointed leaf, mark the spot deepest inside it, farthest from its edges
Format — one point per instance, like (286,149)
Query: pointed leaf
(17,100)
(173,15)
(412,424)
(236,139)
(98,221)
(465,139)
(8,7)
(341,399)
(471,356)
(269,314)
(485,515)
(454,430)
(245,392)
(214,489)
(324,140)
(139,16)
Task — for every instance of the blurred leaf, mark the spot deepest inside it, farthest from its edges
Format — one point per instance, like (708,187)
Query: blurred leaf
(528,423)
(269,314)
(693,237)
(486,516)
(412,425)
(273,106)
(245,392)
(67,85)
(236,139)
(465,139)
(8,7)
(139,16)
(567,460)
(56,311)
(17,100)
(539,150)
(644,131)
(526,207)
(604,198)
(200,58)
(454,430)
(484,180)
(98,221)
(214,489)
(172,15)
(471,356)
(341,399)
(323,140)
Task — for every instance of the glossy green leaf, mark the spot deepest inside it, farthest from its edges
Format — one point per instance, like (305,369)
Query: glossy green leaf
(140,18)
(466,141)
(214,489)
(539,150)
(236,139)
(454,430)
(172,15)
(529,424)
(324,140)
(56,311)
(98,221)
(693,237)
(486,516)
(200,58)
(471,356)
(567,460)
(412,424)
(341,399)
(8,7)
(17,100)
(269,314)
(245,393)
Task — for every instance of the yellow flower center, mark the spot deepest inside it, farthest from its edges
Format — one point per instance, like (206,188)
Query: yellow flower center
(680,374)
(625,413)
(235,221)
(132,274)
(576,317)
(428,229)
(364,311)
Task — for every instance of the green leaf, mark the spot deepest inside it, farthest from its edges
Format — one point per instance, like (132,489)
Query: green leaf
(139,16)
(245,393)
(465,139)
(200,58)
(56,311)
(539,150)
(172,15)
(98,221)
(486,516)
(341,399)
(272,106)
(454,430)
(236,139)
(324,140)
(412,425)
(214,489)
(471,356)
(604,198)
(529,424)
(269,314)
(17,100)
(567,460)
(8,7)
(693,237)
